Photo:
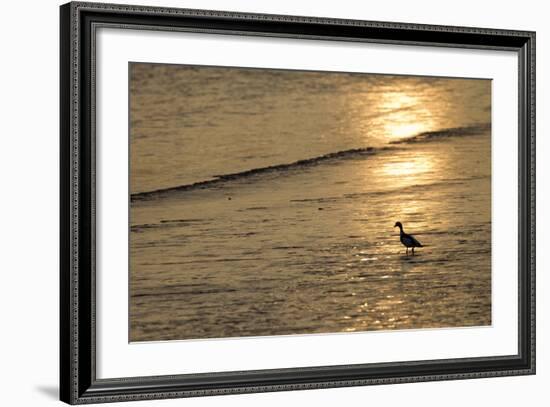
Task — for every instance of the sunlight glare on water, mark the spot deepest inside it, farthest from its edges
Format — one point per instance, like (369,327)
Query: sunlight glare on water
(407,115)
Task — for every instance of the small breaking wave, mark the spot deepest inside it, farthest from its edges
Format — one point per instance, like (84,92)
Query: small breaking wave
(220,179)
(445,133)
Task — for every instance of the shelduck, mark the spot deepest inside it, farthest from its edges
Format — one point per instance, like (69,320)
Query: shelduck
(406,239)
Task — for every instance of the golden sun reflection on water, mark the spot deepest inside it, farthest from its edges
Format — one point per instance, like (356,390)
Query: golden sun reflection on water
(411,167)
(409,170)
(408,115)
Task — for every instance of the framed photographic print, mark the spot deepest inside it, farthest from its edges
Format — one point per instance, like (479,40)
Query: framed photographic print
(256,203)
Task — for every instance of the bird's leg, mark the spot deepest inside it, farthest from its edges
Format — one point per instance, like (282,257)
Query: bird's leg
(413,251)
(407,251)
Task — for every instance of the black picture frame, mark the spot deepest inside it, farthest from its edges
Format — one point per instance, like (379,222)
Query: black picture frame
(78,382)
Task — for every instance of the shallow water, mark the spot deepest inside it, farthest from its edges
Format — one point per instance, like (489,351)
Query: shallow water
(304,243)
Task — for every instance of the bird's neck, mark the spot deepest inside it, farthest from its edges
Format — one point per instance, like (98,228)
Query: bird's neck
(401,230)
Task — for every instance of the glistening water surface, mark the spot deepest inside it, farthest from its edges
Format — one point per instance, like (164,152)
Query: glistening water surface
(263,202)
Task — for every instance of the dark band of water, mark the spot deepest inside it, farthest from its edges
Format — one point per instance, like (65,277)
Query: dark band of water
(445,133)
(345,154)
(357,152)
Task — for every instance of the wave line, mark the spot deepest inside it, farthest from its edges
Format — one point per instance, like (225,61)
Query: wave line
(445,133)
(220,179)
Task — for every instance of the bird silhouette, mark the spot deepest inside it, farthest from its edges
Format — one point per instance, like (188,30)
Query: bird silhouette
(406,239)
